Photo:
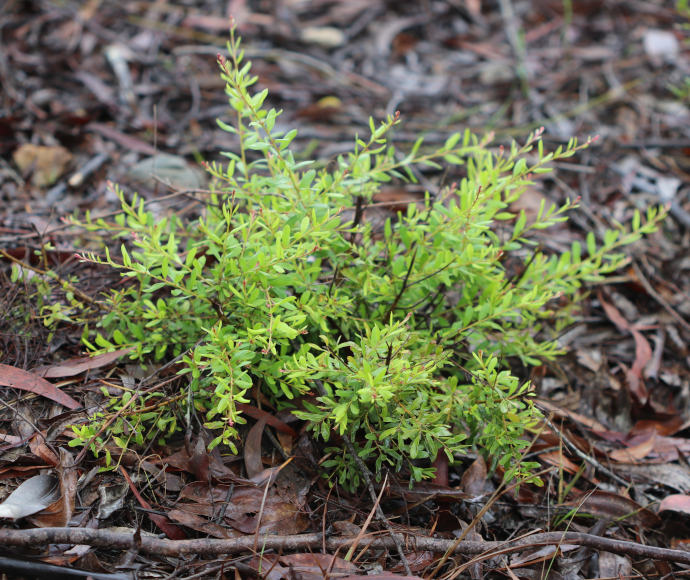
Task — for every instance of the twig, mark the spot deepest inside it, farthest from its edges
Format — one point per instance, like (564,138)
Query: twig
(404,284)
(30,569)
(658,297)
(359,212)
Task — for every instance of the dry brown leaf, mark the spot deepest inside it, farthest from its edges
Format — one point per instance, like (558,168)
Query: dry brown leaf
(612,506)
(78,365)
(317,566)
(270,419)
(643,352)
(252,450)
(473,479)
(200,460)
(636,452)
(26,381)
(202,524)
(559,460)
(551,407)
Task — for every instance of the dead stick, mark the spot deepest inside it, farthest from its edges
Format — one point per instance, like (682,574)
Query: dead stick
(212,547)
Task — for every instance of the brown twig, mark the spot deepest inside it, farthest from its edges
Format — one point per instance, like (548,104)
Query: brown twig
(658,297)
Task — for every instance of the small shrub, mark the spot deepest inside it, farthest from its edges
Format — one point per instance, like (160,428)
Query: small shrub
(399,338)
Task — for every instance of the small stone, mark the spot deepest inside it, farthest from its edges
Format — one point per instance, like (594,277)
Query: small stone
(324,36)
(660,46)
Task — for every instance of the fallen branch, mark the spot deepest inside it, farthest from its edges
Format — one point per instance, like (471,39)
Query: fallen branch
(212,547)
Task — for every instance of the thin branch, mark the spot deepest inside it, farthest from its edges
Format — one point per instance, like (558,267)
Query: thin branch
(404,285)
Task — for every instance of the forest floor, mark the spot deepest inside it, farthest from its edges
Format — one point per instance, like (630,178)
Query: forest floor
(93,91)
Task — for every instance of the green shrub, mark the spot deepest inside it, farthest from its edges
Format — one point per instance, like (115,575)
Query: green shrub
(399,338)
